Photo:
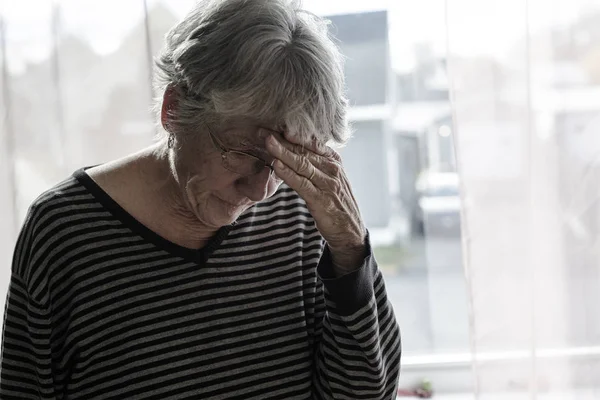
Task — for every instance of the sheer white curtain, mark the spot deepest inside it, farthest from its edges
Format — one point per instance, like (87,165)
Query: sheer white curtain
(525,88)
(75,91)
(525,85)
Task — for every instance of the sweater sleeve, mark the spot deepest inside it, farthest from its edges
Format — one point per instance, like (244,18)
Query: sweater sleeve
(26,365)
(26,356)
(357,346)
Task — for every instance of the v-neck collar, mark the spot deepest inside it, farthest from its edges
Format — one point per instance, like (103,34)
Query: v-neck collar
(198,256)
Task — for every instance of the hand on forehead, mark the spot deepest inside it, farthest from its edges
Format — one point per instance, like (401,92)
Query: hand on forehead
(255,136)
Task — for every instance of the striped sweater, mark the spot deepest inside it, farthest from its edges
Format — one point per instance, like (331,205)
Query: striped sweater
(101,307)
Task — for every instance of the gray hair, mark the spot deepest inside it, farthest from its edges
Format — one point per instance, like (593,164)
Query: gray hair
(266,60)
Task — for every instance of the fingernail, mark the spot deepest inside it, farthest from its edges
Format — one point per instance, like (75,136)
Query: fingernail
(273,141)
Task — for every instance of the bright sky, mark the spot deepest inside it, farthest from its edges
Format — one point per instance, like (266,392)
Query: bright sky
(476,27)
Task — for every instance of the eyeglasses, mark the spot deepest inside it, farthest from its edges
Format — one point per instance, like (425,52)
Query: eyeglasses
(241,163)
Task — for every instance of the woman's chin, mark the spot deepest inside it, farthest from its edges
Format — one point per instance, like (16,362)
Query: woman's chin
(219,215)
(229,213)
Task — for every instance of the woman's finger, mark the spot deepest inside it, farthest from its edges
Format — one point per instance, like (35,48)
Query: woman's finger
(316,146)
(302,185)
(303,160)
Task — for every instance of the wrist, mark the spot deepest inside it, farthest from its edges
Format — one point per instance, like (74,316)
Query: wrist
(347,260)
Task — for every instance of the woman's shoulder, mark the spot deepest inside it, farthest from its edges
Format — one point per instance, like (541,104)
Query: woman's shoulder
(69,194)
(62,195)
(46,221)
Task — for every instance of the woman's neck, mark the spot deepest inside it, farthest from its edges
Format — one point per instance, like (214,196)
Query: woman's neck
(176,216)
(144,185)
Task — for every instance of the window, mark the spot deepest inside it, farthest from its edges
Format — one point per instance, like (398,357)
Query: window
(482,211)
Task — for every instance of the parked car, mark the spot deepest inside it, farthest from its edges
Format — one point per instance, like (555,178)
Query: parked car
(436,210)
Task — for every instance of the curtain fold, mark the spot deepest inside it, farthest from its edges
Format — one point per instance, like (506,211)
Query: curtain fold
(526,100)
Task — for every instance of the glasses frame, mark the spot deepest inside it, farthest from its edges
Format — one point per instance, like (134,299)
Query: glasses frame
(225,151)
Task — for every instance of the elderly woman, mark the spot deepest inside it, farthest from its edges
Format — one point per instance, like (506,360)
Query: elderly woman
(227,261)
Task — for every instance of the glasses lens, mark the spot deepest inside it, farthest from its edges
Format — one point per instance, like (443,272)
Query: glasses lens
(243,164)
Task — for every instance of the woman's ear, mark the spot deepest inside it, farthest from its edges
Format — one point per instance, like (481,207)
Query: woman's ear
(168,107)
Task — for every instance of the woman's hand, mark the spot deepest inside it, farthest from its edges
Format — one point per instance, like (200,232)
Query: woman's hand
(315,172)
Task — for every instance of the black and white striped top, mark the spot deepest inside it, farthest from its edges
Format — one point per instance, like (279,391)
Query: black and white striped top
(100,307)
